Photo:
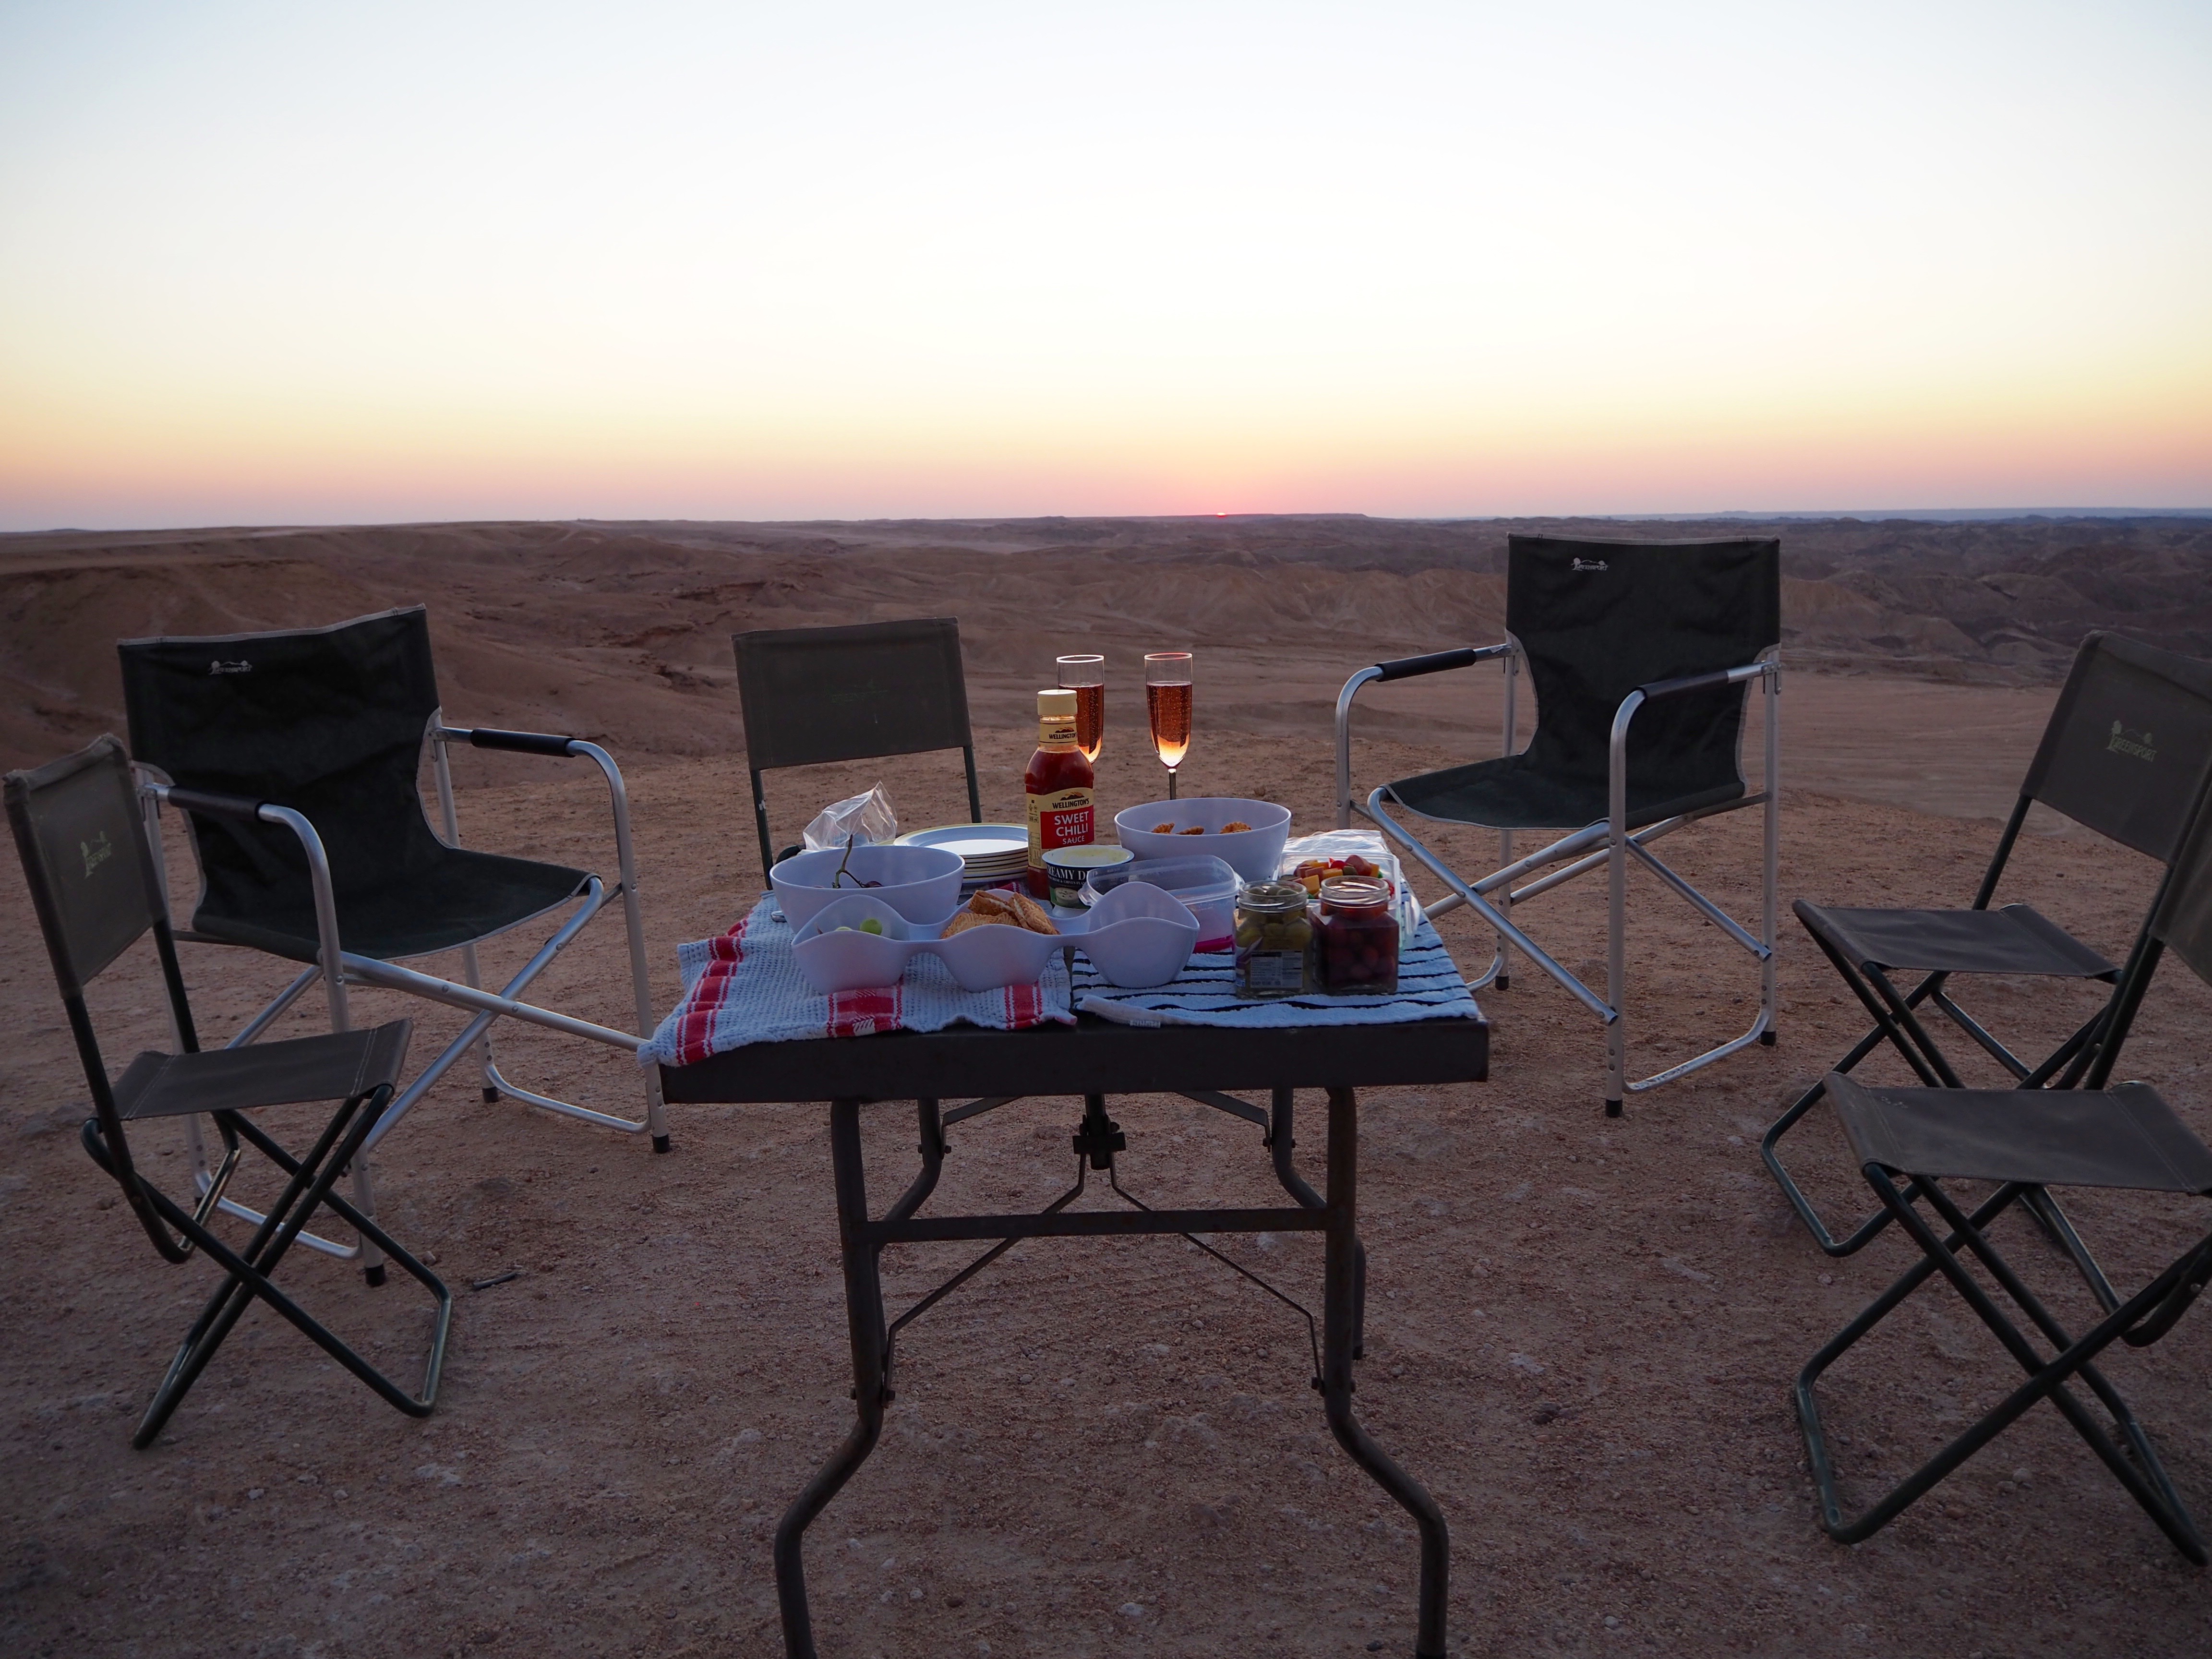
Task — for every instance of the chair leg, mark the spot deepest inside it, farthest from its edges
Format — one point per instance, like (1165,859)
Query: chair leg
(311,1187)
(2149,1487)
(364,1198)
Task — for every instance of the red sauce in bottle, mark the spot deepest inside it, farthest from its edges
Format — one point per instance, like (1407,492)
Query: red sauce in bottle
(1059,786)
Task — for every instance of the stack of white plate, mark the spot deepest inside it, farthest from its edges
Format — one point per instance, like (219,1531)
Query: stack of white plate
(992,852)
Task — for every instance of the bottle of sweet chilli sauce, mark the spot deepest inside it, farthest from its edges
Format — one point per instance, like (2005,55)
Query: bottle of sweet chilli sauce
(1058,784)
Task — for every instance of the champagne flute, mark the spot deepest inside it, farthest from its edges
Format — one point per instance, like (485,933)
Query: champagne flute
(1167,701)
(1085,676)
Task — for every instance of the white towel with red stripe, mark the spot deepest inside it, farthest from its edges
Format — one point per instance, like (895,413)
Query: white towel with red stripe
(745,986)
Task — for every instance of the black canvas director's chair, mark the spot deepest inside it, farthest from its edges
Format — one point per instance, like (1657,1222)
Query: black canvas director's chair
(328,725)
(2124,754)
(1640,653)
(2026,1141)
(814,694)
(93,884)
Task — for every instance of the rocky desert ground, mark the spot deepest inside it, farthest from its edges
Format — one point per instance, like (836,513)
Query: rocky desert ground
(1582,1333)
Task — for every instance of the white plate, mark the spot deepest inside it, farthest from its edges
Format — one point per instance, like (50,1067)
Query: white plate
(978,844)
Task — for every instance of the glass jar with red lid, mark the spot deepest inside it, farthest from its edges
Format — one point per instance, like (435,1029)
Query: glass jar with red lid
(1356,938)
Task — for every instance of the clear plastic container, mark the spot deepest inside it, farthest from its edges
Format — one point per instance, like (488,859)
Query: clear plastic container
(1203,881)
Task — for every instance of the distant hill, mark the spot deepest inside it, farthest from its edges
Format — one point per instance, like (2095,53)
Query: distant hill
(623,629)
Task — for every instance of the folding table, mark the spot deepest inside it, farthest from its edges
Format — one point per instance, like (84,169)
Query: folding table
(1093,1059)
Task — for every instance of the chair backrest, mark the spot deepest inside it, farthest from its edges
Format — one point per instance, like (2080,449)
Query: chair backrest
(1596,619)
(811,694)
(2184,922)
(82,840)
(2128,743)
(328,720)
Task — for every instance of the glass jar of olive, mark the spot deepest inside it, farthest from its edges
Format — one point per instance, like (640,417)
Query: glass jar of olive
(1275,940)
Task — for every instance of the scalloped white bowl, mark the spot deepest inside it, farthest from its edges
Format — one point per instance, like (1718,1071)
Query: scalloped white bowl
(1139,935)
(830,961)
(920,883)
(995,955)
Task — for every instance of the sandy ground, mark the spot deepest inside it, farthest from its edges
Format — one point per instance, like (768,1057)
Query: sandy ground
(1582,1334)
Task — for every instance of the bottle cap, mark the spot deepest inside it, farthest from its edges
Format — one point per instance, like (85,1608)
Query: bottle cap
(1056,704)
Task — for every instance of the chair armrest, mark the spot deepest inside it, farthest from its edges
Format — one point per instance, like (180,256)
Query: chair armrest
(1466,656)
(1617,758)
(238,809)
(1398,668)
(520,742)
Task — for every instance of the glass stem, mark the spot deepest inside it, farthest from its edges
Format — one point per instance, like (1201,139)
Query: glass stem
(1171,783)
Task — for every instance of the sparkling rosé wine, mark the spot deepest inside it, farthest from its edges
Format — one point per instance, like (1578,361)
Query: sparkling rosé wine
(1089,720)
(1169,708)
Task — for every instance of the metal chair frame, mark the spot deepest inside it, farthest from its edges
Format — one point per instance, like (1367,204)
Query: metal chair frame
(175,1232)
(1608,845)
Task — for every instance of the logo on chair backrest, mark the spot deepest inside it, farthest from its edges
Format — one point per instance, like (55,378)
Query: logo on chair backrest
(2127,742)
(242,666)
(97,851)
(1588,564)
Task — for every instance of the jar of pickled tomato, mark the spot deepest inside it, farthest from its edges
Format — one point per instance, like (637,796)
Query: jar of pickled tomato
(1356,938)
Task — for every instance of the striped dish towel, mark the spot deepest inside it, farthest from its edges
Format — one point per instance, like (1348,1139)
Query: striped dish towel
(745,988)
(1430,987)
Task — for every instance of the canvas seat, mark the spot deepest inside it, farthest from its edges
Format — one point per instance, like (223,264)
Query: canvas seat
(1641,655)
(330,724)
(2026,1141)
(97,893)
(2137,795)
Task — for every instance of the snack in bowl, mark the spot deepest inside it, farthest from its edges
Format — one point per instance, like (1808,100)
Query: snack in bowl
(1167,829)
(998,907)
(1235,827)
(1313,872)
(1194,829)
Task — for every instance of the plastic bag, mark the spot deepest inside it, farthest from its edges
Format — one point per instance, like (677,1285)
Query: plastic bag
(862,818)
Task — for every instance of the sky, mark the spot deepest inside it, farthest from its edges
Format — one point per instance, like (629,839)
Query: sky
(270,263)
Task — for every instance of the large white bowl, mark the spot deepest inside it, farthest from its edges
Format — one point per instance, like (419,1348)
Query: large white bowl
(1253,853)
(922,884)
(1139,934)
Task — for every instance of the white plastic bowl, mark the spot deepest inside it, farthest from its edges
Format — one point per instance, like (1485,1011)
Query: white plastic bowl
(1139,934)
(922,884)
(996,955)
(1253,853)
(832,960)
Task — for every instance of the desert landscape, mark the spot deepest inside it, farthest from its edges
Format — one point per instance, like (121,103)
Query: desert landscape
(1582,1334)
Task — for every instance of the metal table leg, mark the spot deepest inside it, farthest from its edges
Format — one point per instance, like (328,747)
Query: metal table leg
(864,1317)
(1339,1320)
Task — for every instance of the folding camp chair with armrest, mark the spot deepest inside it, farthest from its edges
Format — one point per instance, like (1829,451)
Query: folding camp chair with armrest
(93,885)
(2125,753)
(1655,640)
(329,725)
(814,694)
(2027,1140)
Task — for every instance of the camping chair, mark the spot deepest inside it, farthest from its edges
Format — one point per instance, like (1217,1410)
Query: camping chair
(95,888)
(2027,1140)
(2124,754)
(811,694)
(330,723)
(1652,640)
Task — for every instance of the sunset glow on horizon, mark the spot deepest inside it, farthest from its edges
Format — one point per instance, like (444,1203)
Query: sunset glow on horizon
(262,263)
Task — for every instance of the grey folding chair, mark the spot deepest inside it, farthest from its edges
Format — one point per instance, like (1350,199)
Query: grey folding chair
(81,837)
(813,695)
(2125,753)
(2026,1141)
(1652,640)
(329,725)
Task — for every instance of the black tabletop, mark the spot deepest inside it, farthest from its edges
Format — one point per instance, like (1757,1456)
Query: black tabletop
(1093,1056)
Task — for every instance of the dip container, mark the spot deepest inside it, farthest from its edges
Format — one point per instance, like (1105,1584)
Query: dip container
(1067,868)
